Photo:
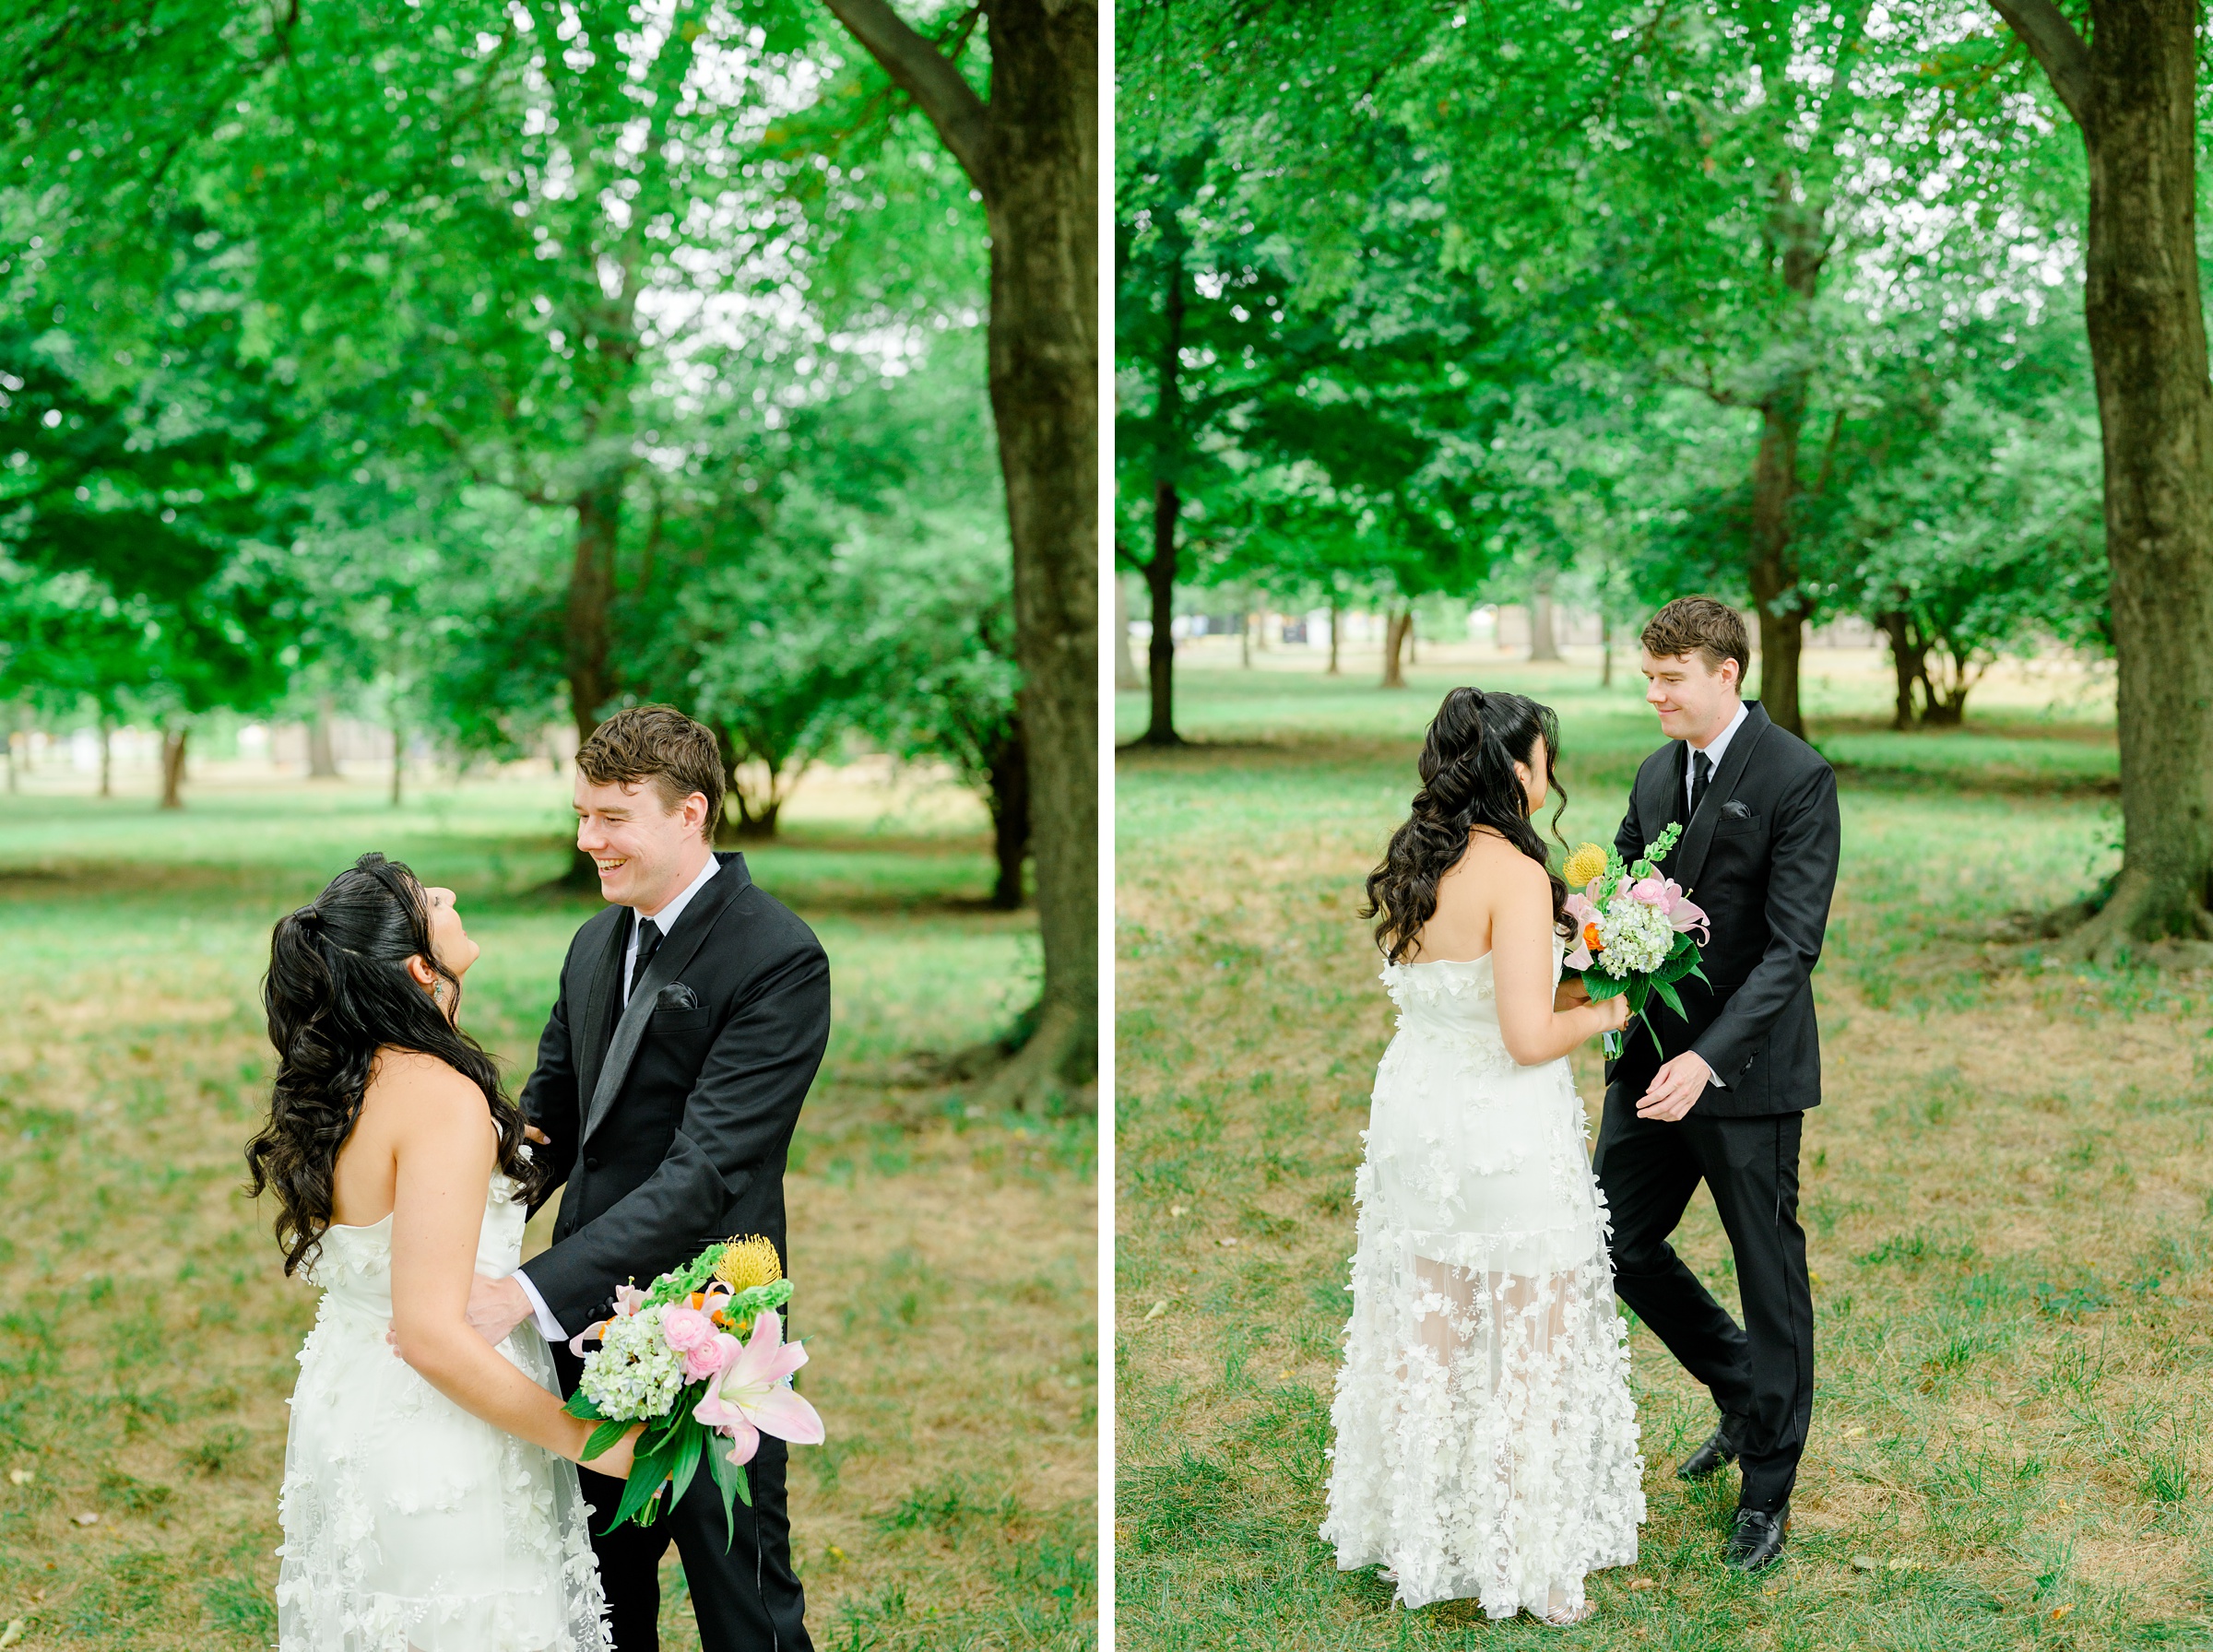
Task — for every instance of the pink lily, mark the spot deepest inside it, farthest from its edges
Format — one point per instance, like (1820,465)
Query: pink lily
(1685,917)
(751,1395)
(627,1300)
(1582,912)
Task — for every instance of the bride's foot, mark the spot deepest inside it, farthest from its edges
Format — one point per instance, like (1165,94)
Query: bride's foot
(1561,1615)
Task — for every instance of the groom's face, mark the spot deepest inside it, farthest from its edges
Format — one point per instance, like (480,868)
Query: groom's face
(1693,699)
(640,845)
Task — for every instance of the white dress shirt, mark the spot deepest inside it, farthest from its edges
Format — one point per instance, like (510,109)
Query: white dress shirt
(1713,749)
(664,920)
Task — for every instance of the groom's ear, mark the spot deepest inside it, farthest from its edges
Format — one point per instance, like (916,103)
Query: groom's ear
(694,808)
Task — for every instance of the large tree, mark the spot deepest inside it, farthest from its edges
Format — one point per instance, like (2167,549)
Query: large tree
(2130,83)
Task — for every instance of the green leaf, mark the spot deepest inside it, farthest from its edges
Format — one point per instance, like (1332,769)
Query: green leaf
(646,1473)
(1667,997)
(603,1438)
(1602,986)
(580,1405)
(687,1459)
(729,1479)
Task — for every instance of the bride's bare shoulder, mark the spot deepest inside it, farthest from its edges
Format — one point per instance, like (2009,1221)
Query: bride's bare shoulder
(406,1086)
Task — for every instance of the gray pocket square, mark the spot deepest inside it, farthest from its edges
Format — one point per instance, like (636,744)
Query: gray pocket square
(675,996)
(1734,810)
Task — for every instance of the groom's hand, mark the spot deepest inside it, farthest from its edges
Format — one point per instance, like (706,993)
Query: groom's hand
(1675,1089)
(496,1307)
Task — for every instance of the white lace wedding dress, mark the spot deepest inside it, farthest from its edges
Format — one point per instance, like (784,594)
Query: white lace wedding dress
(410,1526)
(1486,1441)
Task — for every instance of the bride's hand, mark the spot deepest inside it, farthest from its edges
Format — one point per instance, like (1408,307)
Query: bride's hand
(615,1462)
(1614,1012)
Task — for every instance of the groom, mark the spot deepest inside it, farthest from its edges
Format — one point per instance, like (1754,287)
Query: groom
(1723,1097)
(692,1017)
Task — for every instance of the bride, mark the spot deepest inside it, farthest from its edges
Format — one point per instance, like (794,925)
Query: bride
(430,1504)
(1486,1442)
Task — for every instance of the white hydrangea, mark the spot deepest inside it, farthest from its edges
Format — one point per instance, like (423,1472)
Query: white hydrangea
(1635,938)
(633,1374)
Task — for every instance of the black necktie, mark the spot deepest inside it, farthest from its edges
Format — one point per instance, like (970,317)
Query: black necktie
(649,942)
(1701,771)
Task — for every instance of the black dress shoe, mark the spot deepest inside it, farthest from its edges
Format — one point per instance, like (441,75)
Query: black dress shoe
(1720,1450)
(1757,1539)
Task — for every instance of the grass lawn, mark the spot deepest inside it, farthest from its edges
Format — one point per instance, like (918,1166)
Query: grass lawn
(147,1333)
(2006,1191)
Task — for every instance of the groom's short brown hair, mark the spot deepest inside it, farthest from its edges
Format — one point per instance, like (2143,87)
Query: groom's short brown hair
(660,744)
(1712,629)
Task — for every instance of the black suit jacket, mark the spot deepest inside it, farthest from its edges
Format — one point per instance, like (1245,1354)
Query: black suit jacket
(1760,856)
(671,1133)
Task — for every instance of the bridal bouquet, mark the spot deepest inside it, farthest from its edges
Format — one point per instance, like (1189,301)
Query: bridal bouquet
(1634,929)
(699,1357)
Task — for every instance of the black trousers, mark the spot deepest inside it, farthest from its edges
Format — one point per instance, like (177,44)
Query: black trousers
(1761,1373)
(747,1599)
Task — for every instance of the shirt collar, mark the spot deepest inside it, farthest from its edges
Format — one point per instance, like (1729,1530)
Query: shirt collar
(1720,743)
(665,919)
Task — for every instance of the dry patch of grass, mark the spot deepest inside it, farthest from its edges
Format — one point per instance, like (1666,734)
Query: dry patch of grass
(2006,1195)
(146,1337)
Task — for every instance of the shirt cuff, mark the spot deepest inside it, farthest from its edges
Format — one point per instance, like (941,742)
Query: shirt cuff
(548,1327)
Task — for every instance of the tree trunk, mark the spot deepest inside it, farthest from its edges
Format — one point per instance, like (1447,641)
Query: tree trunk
(1160,652)
(585,631)
(1908,655)
(1336,626)
(2147,344)
(591,587)
(172,766)
(400,759)
(1032,152)
(2132,90)
(1542,645)
(1774,574)
(1605,649)
(1397,625)
(1010,805)
(1244,624)
(322,759)
(1160,572)
(107,758)
(1126,680)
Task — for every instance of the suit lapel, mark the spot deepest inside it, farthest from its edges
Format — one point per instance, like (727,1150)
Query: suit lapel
(602,993)
(1697,837)
(1662,796)
(677,952)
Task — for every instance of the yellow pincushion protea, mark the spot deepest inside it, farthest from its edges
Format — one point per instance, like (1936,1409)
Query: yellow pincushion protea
(749,1261)
(1588,861)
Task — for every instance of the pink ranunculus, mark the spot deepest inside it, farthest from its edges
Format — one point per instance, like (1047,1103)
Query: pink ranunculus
(753,1395)
(709,1358)
(1653,892)
(687,1328)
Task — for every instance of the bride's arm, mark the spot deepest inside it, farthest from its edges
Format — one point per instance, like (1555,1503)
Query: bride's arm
(444,1157)
(1521,932)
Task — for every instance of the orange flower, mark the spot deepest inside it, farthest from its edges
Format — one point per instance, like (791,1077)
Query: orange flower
(1590,938)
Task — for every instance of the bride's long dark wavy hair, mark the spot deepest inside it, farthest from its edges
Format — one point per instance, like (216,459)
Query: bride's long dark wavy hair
(337,991)
(1468,780)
